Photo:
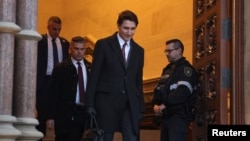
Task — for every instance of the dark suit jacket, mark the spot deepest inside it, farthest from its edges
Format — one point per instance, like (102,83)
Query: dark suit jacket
(42,57)
(62,93)
(115,86)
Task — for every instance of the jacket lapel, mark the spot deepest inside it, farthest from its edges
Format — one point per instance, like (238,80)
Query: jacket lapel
(117,49)
(132,54)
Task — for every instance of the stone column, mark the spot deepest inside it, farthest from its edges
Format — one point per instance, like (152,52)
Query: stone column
(25,70)
(8,28)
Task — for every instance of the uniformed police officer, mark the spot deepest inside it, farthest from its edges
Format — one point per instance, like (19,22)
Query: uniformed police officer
(172,93)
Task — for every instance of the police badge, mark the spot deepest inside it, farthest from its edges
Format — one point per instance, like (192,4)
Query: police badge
(187,71)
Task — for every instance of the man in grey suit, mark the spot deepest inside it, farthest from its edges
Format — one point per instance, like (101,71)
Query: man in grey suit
(114,92)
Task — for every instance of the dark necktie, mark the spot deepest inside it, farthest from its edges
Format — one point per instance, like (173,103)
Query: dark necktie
(123,51)
(81,82)
(55,53)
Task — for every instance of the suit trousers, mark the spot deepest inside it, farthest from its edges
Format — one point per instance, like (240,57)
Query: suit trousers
(41,104)
(174,129)
(127,129)
(76,126)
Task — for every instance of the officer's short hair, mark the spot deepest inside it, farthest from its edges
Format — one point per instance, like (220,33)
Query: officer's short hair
(177,43)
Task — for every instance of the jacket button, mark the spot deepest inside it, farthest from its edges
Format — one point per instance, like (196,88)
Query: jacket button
(123,92)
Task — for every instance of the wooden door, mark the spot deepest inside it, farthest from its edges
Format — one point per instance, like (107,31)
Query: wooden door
(212,58)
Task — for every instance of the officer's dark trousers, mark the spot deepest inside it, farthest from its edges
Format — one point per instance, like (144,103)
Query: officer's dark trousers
(174,129)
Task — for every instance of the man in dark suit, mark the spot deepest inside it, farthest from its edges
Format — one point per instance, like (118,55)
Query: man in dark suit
(45,64)
(66,112)
(114,92)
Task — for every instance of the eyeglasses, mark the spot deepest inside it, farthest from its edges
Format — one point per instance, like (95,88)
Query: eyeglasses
(170,50)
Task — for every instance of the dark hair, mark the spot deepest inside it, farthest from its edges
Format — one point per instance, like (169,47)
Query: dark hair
(177,44)
(77,39)
(55,19)
(127,15)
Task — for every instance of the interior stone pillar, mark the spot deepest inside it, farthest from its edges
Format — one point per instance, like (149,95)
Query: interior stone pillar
(8,28)
(25,71)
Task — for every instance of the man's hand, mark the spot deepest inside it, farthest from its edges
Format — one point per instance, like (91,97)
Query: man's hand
(50,124)
(91,111)
(158,109)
